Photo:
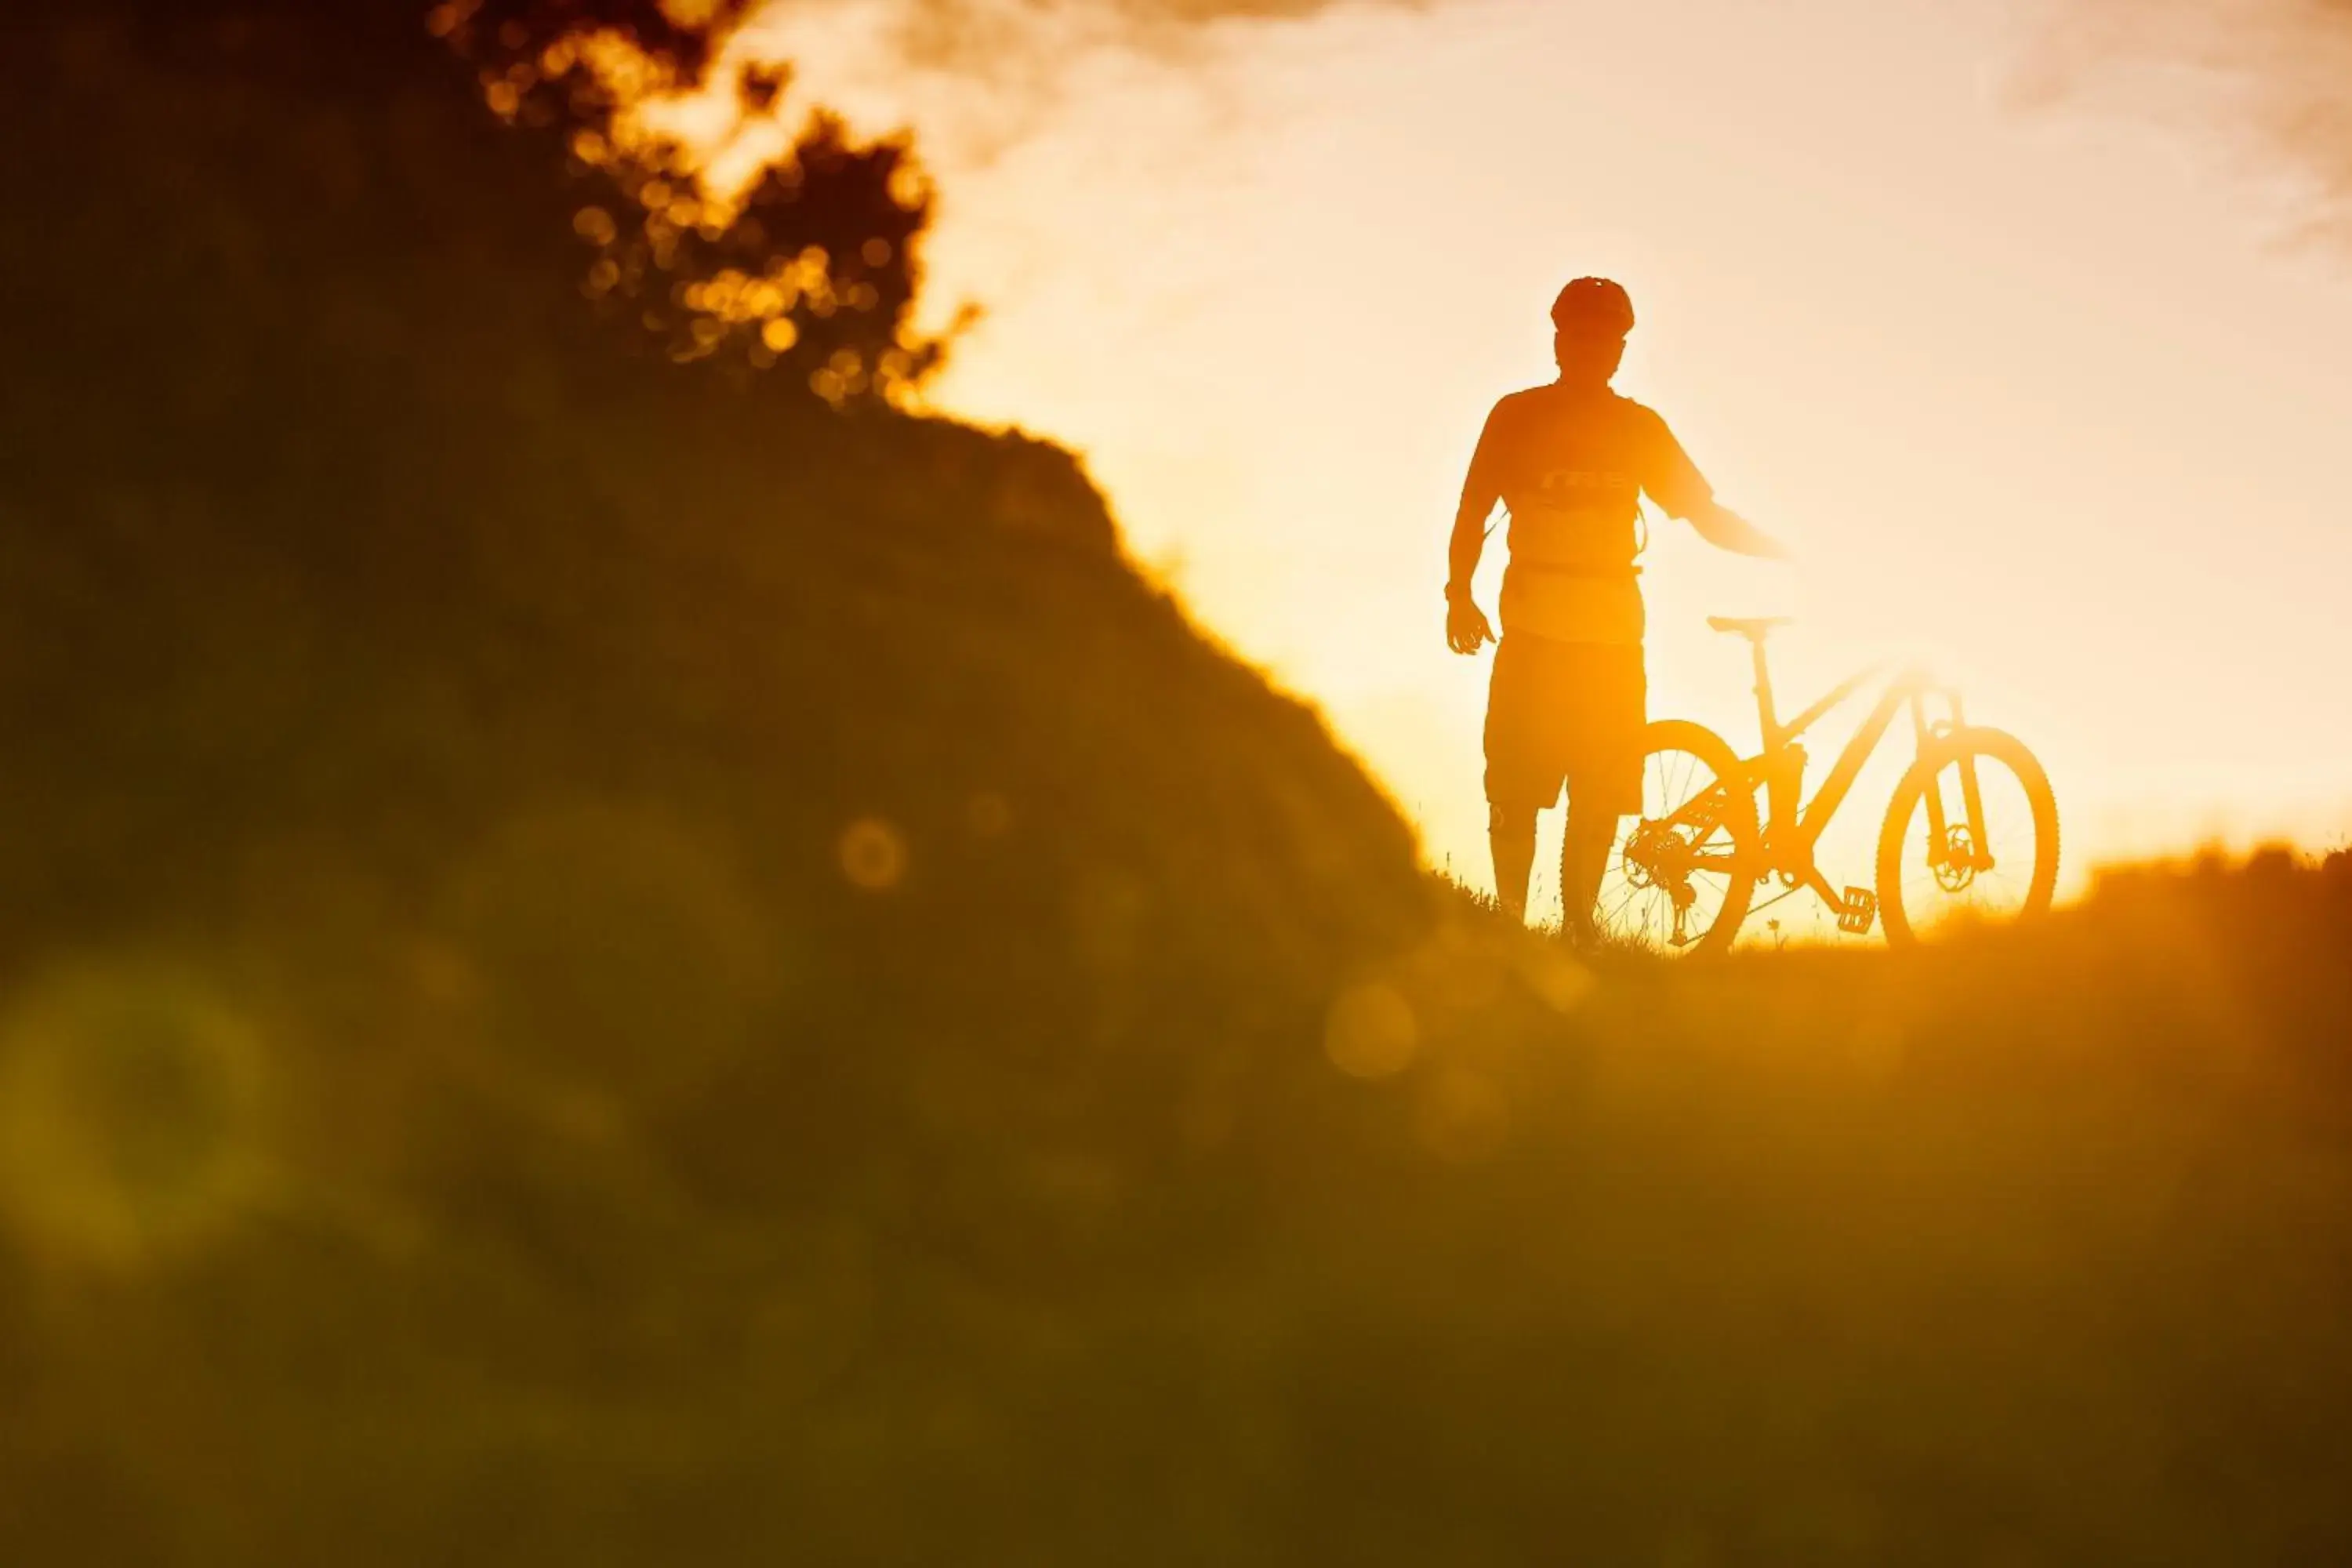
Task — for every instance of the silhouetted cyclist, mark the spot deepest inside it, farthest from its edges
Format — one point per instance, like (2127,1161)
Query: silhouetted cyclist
(1571,462)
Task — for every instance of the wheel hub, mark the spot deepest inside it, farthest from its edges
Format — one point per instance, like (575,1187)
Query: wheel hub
(1956,868)
(1657,856)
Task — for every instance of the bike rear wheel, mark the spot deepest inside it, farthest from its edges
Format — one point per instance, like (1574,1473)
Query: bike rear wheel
(1681,874)
(1971,838)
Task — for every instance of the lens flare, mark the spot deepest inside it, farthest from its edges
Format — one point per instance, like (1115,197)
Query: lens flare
(1371,1032)
(873,855)
(131,1102)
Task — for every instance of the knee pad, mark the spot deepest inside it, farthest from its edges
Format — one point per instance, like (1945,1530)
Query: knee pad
(1510,819)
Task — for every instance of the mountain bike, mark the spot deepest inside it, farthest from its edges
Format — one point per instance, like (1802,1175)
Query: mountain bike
(1971,833)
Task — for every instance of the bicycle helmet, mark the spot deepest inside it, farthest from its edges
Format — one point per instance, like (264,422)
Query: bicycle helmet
(1593,307)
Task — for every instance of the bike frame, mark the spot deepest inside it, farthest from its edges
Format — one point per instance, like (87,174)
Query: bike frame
(1791,831)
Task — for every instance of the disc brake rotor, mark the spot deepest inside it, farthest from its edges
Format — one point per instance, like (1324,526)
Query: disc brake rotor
(1645,853)
(1958,867)
(1657,856)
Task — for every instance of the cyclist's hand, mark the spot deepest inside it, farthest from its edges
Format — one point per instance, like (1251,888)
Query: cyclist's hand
(1466,626)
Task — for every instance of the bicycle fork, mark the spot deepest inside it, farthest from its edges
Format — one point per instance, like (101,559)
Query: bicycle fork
(1939,836)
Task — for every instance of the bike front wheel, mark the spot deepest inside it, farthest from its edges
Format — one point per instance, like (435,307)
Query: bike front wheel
(1970,839)
(1680,875)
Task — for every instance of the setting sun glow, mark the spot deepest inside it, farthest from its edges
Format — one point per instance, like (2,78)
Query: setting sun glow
(2037,386)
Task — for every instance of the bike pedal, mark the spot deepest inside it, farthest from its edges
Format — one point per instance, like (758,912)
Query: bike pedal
(1856,916)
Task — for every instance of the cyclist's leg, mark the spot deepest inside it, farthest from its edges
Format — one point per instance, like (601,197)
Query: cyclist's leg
(1523,764)
(1511,835)
(1584,862)
(1605,775)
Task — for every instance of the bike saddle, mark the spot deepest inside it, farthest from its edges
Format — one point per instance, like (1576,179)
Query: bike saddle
(1754,630)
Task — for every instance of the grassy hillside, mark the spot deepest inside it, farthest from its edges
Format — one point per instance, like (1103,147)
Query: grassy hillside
(605,962)
(364,585)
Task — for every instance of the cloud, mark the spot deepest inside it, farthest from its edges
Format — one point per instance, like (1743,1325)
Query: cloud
(2275,76)
(975,31)
(985,37)
(976,77)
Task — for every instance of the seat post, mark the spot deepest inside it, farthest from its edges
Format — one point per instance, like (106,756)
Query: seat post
(1764,714)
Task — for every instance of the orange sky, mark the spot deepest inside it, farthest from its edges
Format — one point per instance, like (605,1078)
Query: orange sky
(2034,386)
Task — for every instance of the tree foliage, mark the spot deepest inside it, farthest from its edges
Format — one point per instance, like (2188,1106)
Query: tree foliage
(813,265)
(813,271)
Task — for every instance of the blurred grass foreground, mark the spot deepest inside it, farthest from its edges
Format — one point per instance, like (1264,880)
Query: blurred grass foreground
(619,951)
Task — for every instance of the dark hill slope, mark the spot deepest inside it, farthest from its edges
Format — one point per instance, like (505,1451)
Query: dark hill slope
(484,797)
(338,538)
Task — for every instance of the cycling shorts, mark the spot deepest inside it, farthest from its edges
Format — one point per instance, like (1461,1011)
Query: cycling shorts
(1565,712)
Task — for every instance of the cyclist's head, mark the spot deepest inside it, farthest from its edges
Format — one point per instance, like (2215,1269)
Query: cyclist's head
(1590,320)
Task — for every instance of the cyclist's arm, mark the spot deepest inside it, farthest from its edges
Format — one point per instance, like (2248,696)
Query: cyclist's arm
(1726,529)
(1674,481)
(1480,491)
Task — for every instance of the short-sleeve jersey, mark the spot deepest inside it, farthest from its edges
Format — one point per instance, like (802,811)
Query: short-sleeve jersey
(1570,467)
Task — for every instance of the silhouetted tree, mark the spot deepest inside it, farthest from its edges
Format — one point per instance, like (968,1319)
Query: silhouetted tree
(813,267)
(813,273)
